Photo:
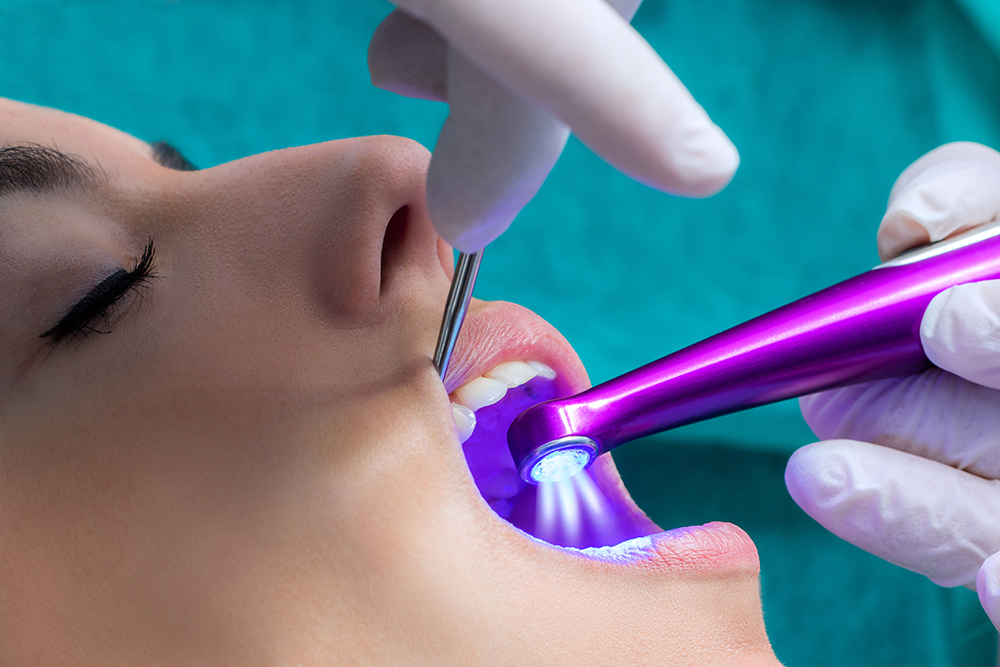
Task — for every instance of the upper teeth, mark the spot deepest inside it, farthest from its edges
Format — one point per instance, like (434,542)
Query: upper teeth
(490,388)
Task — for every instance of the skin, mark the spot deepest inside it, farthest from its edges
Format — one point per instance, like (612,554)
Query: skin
(258,465)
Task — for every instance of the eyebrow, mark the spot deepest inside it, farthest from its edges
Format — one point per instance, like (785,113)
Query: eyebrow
(37,168)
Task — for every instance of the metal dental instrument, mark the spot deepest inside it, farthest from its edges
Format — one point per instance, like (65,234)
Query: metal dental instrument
(863,329)
(459,296)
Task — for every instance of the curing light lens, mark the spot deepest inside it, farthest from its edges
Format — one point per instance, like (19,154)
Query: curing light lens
(560,464)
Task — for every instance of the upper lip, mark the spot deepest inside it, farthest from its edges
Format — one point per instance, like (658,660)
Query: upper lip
(498,331)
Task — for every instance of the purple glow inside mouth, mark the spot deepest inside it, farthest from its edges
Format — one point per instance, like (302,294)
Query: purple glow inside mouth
(576,512)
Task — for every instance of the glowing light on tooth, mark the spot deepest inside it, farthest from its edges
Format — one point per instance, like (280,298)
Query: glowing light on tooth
(557,513)
(625,553)
(480,392)
(595,503)
(546,512)
(465,421)
(569,510)
(543,370)
(512,373)
(588,492)
(574,512)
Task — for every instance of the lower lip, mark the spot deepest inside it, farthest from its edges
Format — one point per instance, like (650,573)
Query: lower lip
(712,547)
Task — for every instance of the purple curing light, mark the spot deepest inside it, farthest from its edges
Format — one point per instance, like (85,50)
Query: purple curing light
(863,329)
(556,460)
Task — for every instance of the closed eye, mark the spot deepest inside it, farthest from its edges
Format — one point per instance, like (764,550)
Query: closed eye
(96,307)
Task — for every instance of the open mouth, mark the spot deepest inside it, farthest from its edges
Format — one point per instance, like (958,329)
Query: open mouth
(588,509)
(509,359)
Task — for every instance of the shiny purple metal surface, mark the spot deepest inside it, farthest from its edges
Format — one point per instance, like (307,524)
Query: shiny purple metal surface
(866,328)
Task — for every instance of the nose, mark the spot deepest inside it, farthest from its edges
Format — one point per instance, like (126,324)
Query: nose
(339,220)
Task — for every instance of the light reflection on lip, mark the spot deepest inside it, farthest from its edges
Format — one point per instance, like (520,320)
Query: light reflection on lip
(496,332)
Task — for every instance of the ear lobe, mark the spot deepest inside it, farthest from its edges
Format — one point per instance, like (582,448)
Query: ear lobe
(407,57)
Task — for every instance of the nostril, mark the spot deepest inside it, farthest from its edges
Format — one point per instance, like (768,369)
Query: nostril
(392,243)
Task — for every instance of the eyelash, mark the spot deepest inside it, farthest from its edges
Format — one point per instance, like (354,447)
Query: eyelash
(99,302)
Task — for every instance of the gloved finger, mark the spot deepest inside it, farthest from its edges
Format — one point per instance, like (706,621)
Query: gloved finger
(583,62)
(988,587)
(960,332)
(493,153)
(952,188)
(919,514)
(934,415)
(407,57)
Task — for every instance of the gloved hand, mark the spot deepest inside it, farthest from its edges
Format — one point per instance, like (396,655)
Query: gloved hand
(909,467)
(517,76)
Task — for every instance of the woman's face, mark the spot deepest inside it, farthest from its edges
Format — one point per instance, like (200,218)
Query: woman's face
(222,439)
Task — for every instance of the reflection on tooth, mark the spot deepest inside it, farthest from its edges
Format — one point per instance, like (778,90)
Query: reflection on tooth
(480,392)
(543,370)
(512,373)
(465,421)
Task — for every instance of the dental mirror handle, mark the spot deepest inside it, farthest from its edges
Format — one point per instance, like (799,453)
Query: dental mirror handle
(866,328)
(455,309)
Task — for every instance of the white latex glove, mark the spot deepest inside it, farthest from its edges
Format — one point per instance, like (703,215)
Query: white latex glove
(909,468)
(518,75)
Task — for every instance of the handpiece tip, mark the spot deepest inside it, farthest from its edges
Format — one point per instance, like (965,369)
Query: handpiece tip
(558,460)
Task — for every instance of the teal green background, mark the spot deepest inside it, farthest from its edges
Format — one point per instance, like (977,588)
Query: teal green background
(827,101)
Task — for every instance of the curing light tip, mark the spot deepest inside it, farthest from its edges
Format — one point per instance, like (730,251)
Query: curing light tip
(559,460)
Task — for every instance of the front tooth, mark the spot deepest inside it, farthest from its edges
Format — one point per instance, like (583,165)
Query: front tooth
(512,373)
(480,392)
(465,421)
(543,370)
